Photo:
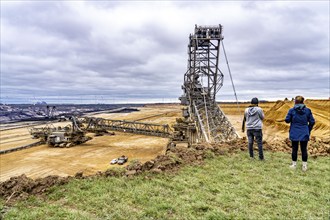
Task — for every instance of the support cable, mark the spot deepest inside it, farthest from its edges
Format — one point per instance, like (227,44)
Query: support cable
(232,82)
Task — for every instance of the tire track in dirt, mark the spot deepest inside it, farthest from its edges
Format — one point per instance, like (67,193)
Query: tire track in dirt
(91,157)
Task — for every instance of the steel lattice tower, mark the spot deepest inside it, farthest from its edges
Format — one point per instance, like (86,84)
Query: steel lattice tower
(202,81)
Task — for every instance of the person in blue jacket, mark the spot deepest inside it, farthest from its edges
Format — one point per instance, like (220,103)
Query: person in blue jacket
(302,122)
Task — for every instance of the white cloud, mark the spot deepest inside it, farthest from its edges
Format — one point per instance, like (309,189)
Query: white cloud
(137,50)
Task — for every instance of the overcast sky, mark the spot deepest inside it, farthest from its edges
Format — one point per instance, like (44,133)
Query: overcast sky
(113,52)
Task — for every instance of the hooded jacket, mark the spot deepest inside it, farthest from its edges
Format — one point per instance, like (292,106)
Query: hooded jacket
(253,116)
(302,122)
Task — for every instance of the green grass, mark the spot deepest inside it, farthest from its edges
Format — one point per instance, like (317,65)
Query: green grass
(225,187)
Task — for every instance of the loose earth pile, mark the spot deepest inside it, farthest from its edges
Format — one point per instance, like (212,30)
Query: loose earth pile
(21,186)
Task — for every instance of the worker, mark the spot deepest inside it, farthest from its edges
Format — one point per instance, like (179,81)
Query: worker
(253,116)
(301,123)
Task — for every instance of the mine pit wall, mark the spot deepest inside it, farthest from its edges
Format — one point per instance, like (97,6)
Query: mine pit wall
(277,110)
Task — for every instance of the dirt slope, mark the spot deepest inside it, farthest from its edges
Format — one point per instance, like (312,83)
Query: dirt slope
(320,110)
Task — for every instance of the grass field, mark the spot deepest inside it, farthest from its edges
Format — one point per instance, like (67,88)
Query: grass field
(224,187)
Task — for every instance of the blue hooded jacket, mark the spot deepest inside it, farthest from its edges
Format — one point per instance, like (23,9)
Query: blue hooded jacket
(302,122)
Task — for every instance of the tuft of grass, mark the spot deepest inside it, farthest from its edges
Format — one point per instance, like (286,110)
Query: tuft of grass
(209,154)
(224,187)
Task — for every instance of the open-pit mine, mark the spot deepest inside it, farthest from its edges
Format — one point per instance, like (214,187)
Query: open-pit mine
(95,155)
(92,138)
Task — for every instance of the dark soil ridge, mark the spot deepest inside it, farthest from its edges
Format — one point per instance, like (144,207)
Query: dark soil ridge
(20,187)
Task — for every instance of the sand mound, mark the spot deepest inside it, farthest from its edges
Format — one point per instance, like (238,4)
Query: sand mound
(316,146)
(22,186)
(320,110)
(277,112)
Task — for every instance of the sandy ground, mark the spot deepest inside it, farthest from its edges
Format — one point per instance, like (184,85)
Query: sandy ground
(96,154)
(278,110)
(269,133)
(89,157)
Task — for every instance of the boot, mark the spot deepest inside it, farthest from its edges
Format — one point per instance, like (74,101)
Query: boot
(293,165)
(304,166)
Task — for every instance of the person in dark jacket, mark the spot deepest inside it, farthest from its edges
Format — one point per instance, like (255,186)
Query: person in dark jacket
(302,122)
(253,116)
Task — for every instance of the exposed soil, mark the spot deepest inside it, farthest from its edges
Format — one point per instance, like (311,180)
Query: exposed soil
(20,187)
(320,110)
(278,110)
(33,171)
(90,157)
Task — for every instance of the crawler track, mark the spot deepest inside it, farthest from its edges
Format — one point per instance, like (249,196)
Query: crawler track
(21,147)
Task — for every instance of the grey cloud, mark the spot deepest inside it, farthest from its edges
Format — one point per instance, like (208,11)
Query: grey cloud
(51,17)
(79,50)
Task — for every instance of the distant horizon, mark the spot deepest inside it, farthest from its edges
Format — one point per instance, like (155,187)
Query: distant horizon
(165,101)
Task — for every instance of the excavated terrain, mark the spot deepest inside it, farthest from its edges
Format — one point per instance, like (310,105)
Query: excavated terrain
(90,157)
(34,170)
(277,133)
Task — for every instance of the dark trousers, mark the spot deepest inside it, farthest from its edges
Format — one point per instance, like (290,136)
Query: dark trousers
(257,134)
(303,147)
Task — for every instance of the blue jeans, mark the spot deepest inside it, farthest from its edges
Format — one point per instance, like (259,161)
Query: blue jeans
(257,133)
